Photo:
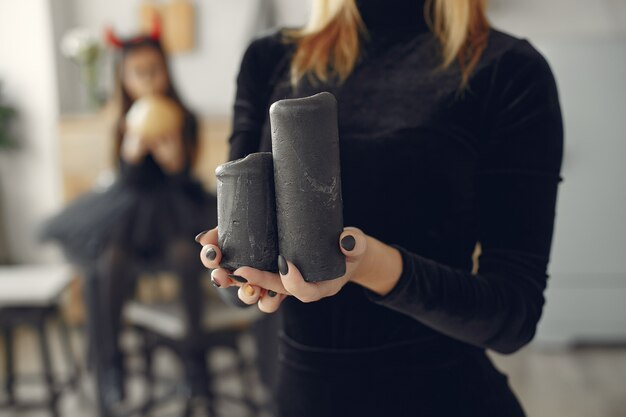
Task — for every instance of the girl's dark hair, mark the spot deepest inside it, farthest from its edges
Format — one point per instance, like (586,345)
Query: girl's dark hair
(190,126)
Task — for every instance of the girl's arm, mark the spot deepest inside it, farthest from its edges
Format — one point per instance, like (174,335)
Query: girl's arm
(169,152)
(134,149)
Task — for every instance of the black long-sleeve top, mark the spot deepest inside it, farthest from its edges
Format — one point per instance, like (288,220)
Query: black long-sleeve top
(432,172)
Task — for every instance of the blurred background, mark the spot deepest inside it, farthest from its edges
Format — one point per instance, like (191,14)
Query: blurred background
(55,129)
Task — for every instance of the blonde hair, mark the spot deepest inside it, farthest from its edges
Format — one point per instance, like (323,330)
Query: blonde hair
(328,46)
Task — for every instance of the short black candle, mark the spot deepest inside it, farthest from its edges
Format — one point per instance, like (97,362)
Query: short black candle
(246,213)
(305,145)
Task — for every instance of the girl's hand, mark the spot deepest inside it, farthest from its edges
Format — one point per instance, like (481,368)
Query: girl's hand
(369,263)
(168,152)
(134,148)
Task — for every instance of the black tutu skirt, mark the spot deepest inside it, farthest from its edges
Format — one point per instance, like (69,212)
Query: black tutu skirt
(139,213)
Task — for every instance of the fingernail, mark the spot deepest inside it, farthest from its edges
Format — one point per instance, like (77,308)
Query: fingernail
(211,254)
(271,293)
(248,290)
(199,235)
(348,242)
(237,278)
(215,283)
(283,268)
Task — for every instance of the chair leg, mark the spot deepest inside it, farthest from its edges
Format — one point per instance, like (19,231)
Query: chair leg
(247,384)
(188,409)
(9,383)
(210,390)
(147,351)
(44,348)
(195,377)
(93,338)
(70,359)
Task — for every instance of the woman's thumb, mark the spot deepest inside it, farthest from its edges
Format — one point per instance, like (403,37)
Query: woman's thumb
(352,242)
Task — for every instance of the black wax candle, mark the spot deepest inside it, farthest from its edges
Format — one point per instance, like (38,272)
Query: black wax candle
(309,207)
(246,213)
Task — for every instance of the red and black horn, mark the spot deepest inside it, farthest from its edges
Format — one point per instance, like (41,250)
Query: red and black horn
(111,38)
(156,28)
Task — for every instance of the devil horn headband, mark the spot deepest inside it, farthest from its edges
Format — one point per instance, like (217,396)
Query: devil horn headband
(113,40)
(156,29)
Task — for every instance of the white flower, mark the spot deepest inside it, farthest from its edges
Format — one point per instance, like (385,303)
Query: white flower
(80,45)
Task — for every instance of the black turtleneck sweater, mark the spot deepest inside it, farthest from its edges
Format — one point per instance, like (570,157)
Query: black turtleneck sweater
(432,172)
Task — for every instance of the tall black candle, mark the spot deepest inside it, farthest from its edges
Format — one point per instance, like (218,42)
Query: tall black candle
(305,145)
(246,213)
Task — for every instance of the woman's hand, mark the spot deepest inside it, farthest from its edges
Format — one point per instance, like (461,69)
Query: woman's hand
(169,153)
(369,263)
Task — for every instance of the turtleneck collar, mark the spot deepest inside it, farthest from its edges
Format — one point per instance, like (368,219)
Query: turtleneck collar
(393,16)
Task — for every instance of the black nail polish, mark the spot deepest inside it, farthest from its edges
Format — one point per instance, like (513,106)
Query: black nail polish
(237,278)
(271,293)
(215,283)
(199,235)
(283,268)
(348,242)
(211,254)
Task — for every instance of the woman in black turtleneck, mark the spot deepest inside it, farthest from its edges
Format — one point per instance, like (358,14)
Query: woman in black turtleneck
(437,155)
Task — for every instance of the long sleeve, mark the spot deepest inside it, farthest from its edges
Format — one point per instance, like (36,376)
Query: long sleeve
(516,189)
(254,86)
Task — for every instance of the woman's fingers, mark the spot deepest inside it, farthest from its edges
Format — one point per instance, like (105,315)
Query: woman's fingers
(249,294)
(211,256)
(270,301)
(220,279)
(263,279)
(257,286)
(295,284)
(353,245)
(207,237)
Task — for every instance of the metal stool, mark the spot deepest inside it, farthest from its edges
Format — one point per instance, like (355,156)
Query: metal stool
(29,296)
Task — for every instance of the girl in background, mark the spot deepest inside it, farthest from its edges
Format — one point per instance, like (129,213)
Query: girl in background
(145,219)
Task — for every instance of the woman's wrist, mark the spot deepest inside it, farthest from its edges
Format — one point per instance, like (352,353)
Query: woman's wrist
(380,268)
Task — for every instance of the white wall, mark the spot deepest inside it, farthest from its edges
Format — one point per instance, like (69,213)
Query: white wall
(204,76)
(585,43)
(559,19)
(587,287)
(28,176)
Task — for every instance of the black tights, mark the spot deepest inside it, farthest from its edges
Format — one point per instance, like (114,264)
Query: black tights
(115,275)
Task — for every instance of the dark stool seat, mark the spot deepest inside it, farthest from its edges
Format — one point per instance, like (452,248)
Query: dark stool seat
(29,296)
